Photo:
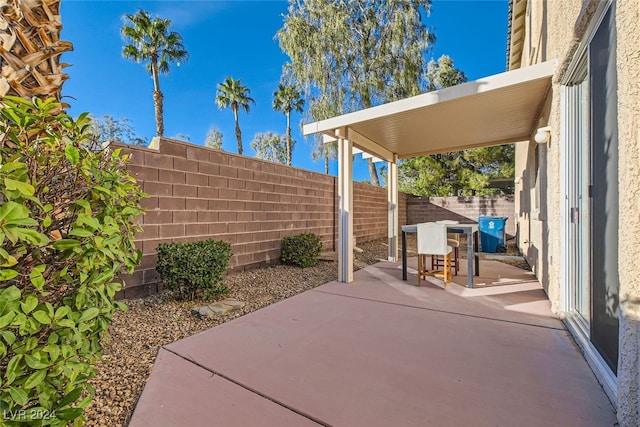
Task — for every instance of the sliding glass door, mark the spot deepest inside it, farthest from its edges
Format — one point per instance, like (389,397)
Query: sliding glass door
(577,200)
(578,197)
(591,191)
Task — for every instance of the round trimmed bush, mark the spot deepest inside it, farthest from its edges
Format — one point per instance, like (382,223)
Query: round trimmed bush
(302,250)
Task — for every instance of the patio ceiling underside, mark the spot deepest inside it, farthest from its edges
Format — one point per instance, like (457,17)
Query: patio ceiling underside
(496,110)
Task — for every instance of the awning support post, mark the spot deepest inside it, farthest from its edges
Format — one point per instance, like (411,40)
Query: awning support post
(392,200)
(345,207)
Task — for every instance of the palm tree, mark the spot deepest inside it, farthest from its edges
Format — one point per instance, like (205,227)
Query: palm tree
(154,44)
(232,94)
(30,49)
(287,99)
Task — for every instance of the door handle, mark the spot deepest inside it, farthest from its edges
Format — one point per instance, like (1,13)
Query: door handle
(575,216)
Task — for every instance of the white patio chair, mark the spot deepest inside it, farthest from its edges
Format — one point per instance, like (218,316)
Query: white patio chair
(454,242)
(432,240)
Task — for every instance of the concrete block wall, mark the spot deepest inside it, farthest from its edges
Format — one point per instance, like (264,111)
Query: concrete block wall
(403,209)
(463,209)
(370,212)
(197,193)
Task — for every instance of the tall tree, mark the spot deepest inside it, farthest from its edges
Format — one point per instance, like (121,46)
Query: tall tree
(461,173)
(31,47)
(232,94)
(270,146)
(213,138)
(324,108)
(349,55)
(464,173)
(443,73)
(325,151)
(181,137)
(288,99)
(110,129)
(151,42)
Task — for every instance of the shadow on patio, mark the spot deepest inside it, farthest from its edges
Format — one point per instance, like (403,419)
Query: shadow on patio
(383,352)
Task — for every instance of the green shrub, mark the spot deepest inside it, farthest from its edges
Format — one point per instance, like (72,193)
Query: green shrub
(302,250)
(68,215)
(194,269)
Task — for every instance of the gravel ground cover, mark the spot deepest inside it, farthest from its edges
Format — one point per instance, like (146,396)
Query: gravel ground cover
(150,323)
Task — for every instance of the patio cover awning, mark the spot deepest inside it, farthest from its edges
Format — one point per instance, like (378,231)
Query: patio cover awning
(495,110)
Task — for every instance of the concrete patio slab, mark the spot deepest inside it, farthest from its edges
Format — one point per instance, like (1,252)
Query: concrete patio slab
(184,394)
(383,352)
(524,301)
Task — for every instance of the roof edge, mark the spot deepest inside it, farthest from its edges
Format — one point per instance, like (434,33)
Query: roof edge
(516,33)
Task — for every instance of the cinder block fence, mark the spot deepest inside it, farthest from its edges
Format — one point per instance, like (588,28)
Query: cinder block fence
(425,209)
(197,193)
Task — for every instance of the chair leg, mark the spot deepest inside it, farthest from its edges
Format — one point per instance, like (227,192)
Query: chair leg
(457,256)
(419,268)
(447,269)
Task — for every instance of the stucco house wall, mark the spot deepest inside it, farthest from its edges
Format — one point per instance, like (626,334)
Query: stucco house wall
(554,29)
(549,35)
(628,62)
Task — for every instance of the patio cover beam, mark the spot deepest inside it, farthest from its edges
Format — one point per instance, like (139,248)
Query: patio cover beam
(369,146)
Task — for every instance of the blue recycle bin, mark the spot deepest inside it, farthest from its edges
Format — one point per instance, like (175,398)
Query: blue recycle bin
(492,235)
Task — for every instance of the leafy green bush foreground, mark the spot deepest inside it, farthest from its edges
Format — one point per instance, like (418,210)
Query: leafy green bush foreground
(68,215)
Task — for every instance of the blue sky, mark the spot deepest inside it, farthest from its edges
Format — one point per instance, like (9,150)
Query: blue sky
(235,38)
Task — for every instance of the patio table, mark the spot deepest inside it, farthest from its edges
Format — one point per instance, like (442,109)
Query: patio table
(470,230)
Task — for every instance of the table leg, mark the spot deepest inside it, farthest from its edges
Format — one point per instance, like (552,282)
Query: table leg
(469,259)
(475,251)
(404,255)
